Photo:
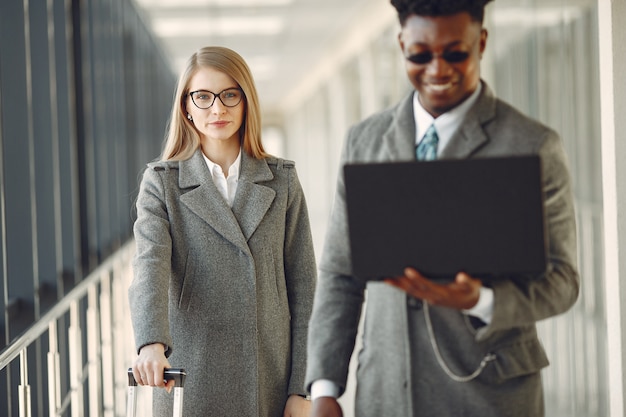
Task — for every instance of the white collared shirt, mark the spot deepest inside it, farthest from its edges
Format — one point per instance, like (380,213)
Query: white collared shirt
(447,124)
(227,186)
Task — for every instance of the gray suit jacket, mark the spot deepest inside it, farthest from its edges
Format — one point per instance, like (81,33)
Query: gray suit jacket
(387,363)
(229,291)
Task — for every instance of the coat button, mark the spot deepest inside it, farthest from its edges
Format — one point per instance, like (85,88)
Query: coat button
(414,303)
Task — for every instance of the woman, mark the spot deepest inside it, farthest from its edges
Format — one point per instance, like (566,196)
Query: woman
(224,269)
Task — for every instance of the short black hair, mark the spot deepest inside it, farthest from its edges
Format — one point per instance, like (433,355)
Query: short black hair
(406,8)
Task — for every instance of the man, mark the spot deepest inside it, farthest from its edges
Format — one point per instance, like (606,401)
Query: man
(459,349)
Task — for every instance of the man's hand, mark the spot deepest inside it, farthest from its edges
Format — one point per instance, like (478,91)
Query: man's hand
(326,407)
(461,294)
(149,366)
(297,407)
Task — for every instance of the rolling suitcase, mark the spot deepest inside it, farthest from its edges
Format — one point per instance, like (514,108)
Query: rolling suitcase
(176,374)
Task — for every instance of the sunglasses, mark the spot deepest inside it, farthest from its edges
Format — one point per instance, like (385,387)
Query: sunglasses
(451,57)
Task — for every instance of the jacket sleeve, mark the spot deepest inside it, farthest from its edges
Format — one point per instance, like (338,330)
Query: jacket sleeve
(527,301)
(338,298)
(148,292)
(300,275)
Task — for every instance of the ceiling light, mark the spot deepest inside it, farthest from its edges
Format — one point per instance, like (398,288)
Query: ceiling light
(222,26)
(208,3)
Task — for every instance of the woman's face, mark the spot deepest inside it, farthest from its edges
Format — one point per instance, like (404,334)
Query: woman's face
(218,122)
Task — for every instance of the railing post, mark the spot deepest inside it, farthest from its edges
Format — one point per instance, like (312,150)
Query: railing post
(93,352)
(108,377)
(123,347)
(54,372)
(24,388)
(76,361)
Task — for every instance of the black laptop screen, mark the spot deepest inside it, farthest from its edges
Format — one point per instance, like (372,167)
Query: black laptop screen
(481,216)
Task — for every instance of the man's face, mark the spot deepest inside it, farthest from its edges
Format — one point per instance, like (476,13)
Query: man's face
(443,58)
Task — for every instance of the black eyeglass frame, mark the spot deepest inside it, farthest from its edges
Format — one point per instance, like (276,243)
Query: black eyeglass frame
(216,95)
(451,57)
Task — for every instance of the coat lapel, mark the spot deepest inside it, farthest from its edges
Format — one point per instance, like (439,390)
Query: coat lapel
(399,139)
(205,200)
(471,135)
(252,200)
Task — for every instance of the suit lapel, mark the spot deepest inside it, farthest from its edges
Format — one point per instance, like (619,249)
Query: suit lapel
(252,200)
(471,135)
(399,139)
(206,201)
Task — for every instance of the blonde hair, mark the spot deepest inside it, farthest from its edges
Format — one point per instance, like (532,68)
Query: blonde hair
(182,138)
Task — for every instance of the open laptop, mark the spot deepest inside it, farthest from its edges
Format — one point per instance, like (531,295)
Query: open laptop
(482,216)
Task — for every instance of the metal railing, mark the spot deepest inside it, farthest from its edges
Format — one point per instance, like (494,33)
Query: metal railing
(108,339)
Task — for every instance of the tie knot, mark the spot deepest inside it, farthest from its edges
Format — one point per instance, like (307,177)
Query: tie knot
(427,148)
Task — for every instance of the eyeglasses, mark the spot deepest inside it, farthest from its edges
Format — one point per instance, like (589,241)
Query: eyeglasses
(204,99)
(451,57)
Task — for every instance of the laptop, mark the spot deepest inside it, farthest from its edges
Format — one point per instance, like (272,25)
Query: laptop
(481,216)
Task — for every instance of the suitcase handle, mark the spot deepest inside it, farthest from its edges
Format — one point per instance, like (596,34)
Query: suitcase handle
(176,374)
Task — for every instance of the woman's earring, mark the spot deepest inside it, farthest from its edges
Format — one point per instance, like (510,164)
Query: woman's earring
(189,117)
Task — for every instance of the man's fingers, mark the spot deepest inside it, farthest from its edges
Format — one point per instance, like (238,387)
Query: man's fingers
(413,273)
(399,283)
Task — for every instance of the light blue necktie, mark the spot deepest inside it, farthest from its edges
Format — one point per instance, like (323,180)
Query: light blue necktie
(427,148)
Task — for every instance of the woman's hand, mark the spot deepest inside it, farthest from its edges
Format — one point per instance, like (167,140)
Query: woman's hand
(149,366)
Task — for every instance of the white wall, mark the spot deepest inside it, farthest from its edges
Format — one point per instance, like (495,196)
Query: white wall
(613,103)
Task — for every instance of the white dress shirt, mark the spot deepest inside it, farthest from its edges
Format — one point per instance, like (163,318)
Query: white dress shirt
(446,125)
(227,186)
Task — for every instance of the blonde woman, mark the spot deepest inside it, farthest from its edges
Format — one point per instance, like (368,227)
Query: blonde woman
(224,272)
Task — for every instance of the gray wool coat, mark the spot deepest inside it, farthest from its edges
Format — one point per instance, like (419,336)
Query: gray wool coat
(229,291)
(398,373)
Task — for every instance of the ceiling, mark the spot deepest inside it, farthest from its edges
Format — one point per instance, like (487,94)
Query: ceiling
(287,43)
(292,45)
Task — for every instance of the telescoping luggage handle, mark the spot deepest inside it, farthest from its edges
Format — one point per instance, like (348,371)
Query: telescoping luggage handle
(176,374)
